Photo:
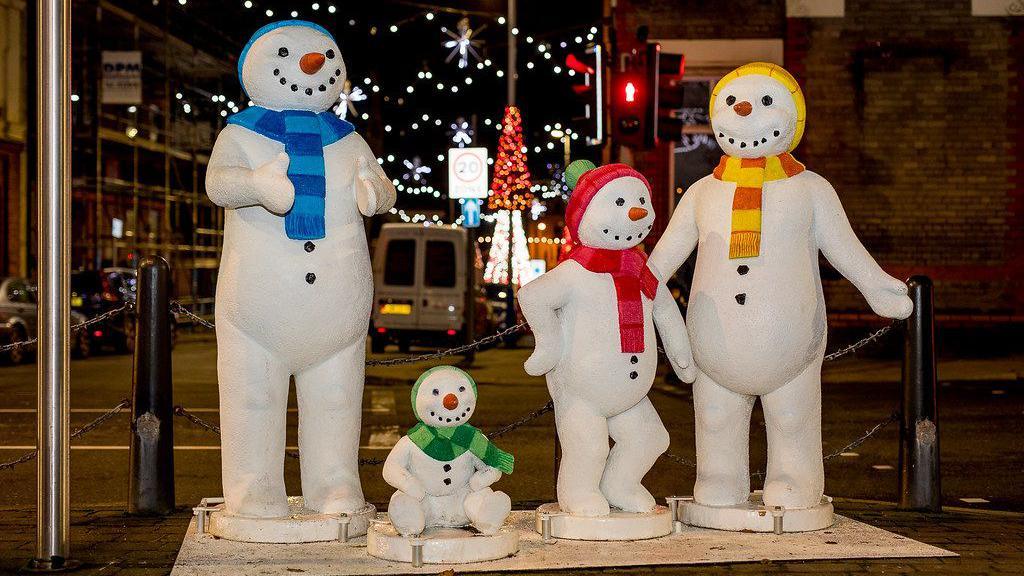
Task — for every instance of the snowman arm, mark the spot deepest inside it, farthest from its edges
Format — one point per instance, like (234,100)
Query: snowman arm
(839,243)
(669,322)
(539,301)
(484,476)
(396,470)
(375,193)
(679,239)
(230,181)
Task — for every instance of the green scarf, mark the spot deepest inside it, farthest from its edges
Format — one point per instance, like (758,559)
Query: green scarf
(448,443)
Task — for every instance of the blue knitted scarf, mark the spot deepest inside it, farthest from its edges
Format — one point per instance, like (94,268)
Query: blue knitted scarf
(304,135)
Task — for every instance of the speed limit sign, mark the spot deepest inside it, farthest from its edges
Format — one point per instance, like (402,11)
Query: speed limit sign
(467,173)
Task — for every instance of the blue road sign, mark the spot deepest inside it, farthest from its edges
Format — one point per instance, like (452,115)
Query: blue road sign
(471,212)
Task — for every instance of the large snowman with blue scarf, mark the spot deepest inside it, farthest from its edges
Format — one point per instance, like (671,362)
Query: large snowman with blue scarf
(295,285)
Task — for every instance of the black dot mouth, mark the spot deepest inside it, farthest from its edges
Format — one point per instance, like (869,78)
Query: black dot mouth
(753,143)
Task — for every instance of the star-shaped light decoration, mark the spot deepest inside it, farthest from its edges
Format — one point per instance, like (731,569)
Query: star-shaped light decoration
(415,170)
(461,133)
(462,43)
(346,101)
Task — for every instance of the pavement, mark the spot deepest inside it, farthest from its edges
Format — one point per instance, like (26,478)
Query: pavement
(108,542)
(981,404)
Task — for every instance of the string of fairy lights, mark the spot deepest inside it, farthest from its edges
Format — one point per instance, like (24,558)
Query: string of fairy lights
(466,65)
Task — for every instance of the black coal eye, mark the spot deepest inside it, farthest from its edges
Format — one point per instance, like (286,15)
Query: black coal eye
(462,388)
(643,200)
(329,54)
(730,100)
(436,392)
(620,202)
(767,100)
(282,52)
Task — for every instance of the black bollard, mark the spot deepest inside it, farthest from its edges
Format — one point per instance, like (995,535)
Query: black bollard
(151,479)
(920,481)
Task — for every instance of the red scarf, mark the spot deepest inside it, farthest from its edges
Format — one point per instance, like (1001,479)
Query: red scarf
(632,277)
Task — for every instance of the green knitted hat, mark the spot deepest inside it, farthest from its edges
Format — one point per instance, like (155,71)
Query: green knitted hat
(416,386)
(576,169)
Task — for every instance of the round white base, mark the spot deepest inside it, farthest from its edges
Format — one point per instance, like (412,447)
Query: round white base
(754,516)
(618,525)
(300,525)
(442,545)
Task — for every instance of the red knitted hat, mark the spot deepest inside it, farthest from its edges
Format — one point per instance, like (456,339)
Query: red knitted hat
(586,181)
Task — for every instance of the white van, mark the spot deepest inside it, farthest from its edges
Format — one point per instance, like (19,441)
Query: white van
(419,279)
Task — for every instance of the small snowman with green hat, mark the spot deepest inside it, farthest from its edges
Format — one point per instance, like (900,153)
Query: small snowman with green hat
(443,468)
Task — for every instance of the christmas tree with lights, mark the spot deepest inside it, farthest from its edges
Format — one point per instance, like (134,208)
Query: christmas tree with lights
(510,195)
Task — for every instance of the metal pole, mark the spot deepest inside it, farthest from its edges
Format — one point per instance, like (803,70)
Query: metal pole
(53,135)
(151,478)
(511,25)
(920,480)
(510,296)
(470,301)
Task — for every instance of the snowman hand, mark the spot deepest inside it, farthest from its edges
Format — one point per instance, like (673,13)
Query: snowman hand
(543,360)
(375,194)
(275,191)
(889,299)
(415,490)
(483,478)
(685,370)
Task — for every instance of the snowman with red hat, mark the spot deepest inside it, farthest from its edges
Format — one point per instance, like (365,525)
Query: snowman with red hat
(593,317)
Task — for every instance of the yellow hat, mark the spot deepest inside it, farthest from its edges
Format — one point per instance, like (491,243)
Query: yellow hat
(778,73)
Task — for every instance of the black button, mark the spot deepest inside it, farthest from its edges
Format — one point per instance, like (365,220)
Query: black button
(310,278)
(741,299)
(447,467)
(633,375)
(743,270)
(447,481)
(309,246)
(633,359)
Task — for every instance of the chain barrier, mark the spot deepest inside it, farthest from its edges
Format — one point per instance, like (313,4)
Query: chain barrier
(124,403)
(894,416)
(75,327)
(211,427)
(845,350)
(179,308)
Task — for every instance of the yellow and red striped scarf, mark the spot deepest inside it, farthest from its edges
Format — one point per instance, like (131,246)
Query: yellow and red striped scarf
(750,174)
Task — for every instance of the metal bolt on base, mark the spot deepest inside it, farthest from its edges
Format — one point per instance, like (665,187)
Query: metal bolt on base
(673,507)
(545,529)
(777,513)
(343,521)
(417,553)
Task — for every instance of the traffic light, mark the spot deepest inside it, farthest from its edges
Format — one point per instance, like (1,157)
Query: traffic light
(630,108)
(639,118)
(588,68)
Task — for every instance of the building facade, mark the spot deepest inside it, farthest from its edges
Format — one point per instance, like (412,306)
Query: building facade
(14,96)
(913,116)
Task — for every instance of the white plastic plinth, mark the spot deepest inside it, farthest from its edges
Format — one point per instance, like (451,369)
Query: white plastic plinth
(442,545)
(618,525)
(754,516)
(300,525)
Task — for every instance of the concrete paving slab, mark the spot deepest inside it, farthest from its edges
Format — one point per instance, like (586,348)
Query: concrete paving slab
(847,539)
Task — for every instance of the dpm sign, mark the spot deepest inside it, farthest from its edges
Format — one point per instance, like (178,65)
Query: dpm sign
(122,77)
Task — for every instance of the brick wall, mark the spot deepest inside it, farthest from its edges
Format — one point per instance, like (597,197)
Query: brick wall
(913,115)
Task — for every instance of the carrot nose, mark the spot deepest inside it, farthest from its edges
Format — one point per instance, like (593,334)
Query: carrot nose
(312,62)
(636,213)
(451,401)
(743,108)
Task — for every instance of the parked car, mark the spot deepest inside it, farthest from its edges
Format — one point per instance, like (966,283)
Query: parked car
(420,278)
(19,314)
(95,292)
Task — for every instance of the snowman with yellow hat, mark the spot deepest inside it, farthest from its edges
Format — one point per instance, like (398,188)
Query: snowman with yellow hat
(756,314)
